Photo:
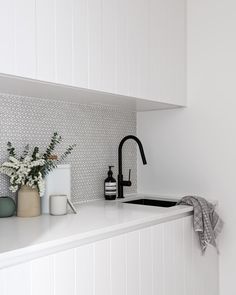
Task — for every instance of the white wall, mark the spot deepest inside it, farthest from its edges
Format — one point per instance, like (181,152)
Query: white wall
(193,150)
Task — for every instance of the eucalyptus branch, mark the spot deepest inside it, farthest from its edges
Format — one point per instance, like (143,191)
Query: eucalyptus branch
(35,152)
(10,149)
(25,152)
(67,153)
(31,170)
(55,140)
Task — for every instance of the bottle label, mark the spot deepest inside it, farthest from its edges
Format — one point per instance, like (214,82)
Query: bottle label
(110,184)
(110,188)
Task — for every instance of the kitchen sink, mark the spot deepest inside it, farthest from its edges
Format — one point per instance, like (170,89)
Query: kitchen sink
(152,202)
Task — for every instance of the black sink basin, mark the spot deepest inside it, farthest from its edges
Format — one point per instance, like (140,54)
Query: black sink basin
(153,202)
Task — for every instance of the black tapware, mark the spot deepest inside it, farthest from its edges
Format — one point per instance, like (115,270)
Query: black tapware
(121,182)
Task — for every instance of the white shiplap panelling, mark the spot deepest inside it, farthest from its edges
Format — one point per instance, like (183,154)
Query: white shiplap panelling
(95,43)
(84,270)
(167,50)
(164,259)
(118,265)
(168,268)
(80,43)
(133,47)
(109,45)
(18,280)
(122,75)
(2,282)
(7,36)
(63,40)
(158,259)
(178,256)
(64,273)
(188,254)
(45,40)
(133,263)
(146,261)
(102,273)
(24,38)
(42,279)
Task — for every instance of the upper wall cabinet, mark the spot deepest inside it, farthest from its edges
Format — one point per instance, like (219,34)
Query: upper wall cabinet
(131,48)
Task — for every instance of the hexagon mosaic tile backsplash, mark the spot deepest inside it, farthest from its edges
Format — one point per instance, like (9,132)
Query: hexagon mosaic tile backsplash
(96,131)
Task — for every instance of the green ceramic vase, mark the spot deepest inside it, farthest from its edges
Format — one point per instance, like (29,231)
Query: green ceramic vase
(7,207)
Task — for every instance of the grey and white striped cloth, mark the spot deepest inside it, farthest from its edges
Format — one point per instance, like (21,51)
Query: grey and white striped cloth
(206,221)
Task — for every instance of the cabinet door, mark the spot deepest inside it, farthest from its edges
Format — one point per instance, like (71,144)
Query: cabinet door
(95,44)
(63,39)
(7,56)
(109,45)
(17,280)
(167,51)
(138,47)
(164,259)
(42,276)
(24,37)
(85,270)
(45,40)
(80,44)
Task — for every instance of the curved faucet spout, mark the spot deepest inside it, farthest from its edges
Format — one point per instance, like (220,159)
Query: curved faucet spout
(121,182)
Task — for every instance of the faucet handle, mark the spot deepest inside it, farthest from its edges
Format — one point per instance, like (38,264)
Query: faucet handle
(129,174)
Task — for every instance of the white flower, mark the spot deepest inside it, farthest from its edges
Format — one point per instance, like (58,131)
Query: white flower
(19,172)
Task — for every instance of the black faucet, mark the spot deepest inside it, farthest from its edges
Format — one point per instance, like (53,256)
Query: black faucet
(121,182)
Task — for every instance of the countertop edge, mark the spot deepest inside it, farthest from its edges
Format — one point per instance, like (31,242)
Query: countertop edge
(23,255)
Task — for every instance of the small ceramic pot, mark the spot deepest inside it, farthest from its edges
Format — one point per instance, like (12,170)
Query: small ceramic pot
(7,207)
(28,202)
(58,204)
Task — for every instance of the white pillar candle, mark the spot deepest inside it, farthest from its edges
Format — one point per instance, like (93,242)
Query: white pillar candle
(58,204)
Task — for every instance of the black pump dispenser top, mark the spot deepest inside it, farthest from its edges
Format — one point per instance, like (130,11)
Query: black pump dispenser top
(110,173)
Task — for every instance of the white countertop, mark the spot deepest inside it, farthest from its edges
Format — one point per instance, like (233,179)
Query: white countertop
(23,239)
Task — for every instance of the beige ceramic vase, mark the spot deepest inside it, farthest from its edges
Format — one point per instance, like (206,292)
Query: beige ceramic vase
(28,202)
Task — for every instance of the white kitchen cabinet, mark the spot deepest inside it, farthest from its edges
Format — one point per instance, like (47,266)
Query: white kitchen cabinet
(63,41)
(118,265)
(45,40)
(134,48)
(7,37)
(84,269)
(42,268)
(24,38)
(162,259)
(80,64)
(167,55)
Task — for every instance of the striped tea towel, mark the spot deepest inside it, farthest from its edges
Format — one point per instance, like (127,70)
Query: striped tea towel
(206,221)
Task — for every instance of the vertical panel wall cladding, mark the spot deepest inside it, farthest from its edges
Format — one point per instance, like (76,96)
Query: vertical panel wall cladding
(102,268)
(122,59)
(118,265)
(64,272)
(109,45)
(7,56)
(163,259)
(45,40)
(95,43)
(85,270)
(42,268)
(80,44)
(63,40)
(133,263)
(24,38)
(18,280)
(133,47)
(146,260)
